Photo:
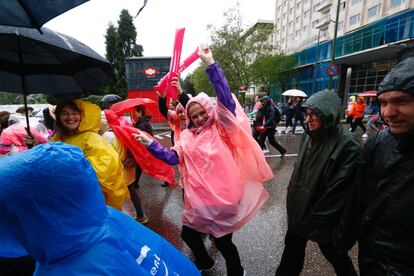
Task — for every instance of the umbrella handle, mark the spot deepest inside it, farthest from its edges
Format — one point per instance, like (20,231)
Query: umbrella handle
(26,111)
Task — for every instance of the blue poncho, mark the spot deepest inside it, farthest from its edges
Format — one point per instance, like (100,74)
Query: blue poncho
(52,209)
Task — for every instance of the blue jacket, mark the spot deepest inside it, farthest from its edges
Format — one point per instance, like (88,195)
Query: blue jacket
(53,209)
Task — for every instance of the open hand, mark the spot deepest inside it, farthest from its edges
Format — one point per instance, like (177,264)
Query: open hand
(142,138)
(205,54)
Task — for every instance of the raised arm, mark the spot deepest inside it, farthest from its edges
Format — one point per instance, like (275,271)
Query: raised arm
(166,155)
(162,106)
(217,79)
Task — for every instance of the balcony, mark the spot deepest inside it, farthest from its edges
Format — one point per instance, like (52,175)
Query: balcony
(324,21)
(323,5)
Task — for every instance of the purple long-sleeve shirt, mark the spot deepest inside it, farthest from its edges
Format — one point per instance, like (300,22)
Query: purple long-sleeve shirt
(221,86)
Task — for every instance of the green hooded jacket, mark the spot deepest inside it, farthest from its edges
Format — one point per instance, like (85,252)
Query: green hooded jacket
(326,162)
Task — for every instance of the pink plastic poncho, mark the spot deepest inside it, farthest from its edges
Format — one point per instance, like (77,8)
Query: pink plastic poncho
(148,163)
(222,169)
(13,136)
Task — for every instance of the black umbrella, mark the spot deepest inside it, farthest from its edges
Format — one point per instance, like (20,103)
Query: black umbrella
(33,13)
(31,62)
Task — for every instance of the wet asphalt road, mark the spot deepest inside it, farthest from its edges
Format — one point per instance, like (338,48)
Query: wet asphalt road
(260,242)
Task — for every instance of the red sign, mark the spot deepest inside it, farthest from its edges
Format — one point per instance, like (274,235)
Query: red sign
(150,71)
(332,70)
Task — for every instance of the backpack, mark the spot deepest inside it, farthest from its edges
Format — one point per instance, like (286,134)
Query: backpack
(278,115)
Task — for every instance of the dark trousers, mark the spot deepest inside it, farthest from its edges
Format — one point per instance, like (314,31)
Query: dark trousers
(270,135)
(358,122)
(256,136)
(302,123)
(135,194)
(294,256)
(223,244)
(172,137)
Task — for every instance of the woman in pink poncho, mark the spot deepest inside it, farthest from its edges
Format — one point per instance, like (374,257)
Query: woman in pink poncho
(222,169)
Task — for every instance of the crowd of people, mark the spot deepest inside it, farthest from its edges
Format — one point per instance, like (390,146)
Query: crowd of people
(68,169)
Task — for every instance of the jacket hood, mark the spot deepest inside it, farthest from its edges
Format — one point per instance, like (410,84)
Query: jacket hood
(400,78)
(43,214)
(205,101)
(266,101)
(327,105)
(91,116)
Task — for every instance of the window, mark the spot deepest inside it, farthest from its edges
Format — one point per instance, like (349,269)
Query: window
(354,19)
(283,40)
(284,16)
(324,32)
(315,7)
(297,19)
(374,11)
(291,11)
(283,28)
(305,2)
(340,25)
(354,2)
(279,8)
(305,28)
(290,24)
(298,5)
(396,3)
(306,14)
(342,7)
(297,32)
(314,23)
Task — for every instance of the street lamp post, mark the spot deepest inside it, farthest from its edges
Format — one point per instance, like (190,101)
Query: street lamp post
(316,63)
(334,43)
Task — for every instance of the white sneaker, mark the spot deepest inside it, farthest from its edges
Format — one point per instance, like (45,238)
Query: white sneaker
(266,152)
(350,129)
(364,135)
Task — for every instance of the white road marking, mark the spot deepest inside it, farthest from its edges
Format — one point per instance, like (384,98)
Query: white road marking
(163,135)
(278,155)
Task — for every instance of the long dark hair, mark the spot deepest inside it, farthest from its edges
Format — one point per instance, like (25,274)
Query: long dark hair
(58,124)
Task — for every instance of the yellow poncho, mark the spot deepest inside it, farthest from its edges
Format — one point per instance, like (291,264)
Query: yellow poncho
(102,156)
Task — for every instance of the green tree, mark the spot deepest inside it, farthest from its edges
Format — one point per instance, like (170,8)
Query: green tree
(235,47)
(188,84)
(272,69)
(10,98)
(120,44)
(201,81)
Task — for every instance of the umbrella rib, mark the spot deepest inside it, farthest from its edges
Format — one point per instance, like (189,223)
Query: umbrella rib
(33,21)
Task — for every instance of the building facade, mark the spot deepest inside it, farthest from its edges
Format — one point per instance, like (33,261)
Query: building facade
(301,23)
(372,36)
(142,74)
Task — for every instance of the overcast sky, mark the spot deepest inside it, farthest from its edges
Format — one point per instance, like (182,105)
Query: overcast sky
(157,22)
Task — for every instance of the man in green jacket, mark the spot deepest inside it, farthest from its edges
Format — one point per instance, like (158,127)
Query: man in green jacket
(327,158)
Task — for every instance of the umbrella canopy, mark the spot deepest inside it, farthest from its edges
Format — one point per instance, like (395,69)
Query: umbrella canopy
(370,93)
(31,62)
(111,98)
(294,93)
(49,62)
(127,105)
(33,13)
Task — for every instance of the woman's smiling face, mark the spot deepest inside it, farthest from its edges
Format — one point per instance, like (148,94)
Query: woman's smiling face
(70,119)
(198,115)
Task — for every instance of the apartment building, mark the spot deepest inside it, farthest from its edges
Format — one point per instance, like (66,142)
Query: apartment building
(302,23)
(373,35)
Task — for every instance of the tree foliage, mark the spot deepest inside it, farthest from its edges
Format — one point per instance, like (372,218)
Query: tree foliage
(236,48)
(201,81)
(120,44)
(10,98)
(272,69)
